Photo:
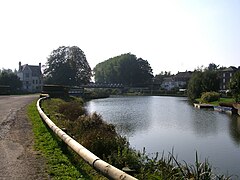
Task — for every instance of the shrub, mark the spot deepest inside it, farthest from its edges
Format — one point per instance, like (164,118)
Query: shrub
(71,110)
(210,97)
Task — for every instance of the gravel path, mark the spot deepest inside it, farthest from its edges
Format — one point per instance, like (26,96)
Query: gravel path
(18,159)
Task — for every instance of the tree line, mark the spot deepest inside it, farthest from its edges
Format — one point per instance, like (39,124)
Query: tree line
(69,66)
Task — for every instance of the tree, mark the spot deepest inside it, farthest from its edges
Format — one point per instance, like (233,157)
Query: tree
(235,86)
(201,82)
(160,77)
(125,69)
(7,77)
(67,66)
(212,67)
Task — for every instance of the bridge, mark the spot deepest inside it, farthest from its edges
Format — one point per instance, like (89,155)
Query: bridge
(102,85)
(79,90)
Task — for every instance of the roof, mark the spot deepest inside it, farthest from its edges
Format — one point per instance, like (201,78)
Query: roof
(231,68)
(183,76)
(36,70)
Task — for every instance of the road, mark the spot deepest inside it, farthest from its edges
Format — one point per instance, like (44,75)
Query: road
(18,159)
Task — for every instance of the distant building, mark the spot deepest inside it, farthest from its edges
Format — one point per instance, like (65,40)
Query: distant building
(31,77)
(225,76)
(179,80)
(168,83)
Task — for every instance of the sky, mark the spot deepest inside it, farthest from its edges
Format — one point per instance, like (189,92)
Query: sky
(172,35)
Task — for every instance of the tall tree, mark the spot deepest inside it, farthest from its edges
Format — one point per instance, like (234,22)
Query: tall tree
(212,67)
(235,86)
(126,69)
(67,66)
(7,77)
(160,77)
(202,82)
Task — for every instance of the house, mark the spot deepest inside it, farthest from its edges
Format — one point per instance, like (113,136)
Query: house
(179,80)
(31,77)
(168,83)
(225,76)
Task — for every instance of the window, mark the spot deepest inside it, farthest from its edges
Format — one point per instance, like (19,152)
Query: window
(27,75)
(223,74)
(36,81)
(230,74)
(33,81)
(224,80)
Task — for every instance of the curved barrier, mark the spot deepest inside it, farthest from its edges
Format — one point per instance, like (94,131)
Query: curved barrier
(100,165)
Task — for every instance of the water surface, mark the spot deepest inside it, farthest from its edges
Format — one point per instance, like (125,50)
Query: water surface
(163,123)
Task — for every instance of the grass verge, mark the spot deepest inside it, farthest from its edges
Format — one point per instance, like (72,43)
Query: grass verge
(60,163)
(221,100)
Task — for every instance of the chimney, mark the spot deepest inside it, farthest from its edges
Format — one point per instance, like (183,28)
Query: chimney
(20,64)
(40,67)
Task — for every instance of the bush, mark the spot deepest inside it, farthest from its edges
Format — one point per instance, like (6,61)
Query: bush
(71,110)
(210,97)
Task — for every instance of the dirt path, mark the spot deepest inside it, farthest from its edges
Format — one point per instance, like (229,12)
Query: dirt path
(18,160)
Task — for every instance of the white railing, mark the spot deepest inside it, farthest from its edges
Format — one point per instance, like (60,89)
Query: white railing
(100,165)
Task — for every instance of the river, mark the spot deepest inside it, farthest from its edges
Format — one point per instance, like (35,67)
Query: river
(164,123)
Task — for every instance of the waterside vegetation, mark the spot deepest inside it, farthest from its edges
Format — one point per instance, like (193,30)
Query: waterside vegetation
(101,138)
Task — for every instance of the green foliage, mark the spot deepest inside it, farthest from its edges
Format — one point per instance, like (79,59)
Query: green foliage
(71,110)
(125,69)
(67,66)
(7,77)
(235,86)
(158,79)
(212,67)
(210,97)
(202,82)
(96,94)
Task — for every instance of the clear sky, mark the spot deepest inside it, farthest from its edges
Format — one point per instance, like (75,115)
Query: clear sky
(173,35)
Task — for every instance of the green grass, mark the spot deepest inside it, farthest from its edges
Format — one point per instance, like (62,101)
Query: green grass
(59,165)
(221,100)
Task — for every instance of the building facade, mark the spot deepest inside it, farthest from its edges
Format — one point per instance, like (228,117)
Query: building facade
(225,76)
(31,77)
(179,80)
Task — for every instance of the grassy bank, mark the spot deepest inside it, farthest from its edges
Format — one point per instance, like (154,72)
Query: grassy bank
(101,138)
(62,163)
(220,101)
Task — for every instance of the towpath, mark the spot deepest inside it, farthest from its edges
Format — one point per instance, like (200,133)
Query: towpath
(18,159)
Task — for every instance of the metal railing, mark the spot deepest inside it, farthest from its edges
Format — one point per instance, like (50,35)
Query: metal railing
(106,169)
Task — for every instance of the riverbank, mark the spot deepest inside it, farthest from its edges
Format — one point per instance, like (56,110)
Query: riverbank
(225,105)
(125,157)
(219,102)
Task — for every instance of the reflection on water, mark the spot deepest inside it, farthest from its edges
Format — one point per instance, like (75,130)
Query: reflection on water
(234,129)
(161,123)
(204,122)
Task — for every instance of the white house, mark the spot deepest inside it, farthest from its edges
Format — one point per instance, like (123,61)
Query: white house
(31,77)
(179,80)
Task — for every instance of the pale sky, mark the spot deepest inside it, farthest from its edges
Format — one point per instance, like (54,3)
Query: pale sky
(173,35)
